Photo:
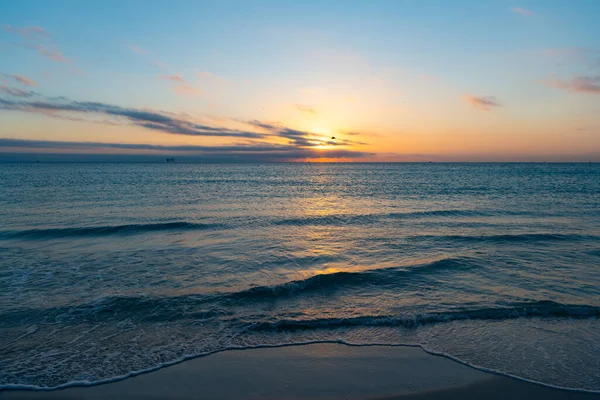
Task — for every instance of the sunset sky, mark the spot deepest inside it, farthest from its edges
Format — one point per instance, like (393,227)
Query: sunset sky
(260,81)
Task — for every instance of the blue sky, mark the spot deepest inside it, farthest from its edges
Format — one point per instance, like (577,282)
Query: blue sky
(460,80)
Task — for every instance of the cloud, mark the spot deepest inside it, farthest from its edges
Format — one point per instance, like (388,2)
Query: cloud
(24,80)
(305,109)
(301,138)
(568,52)
(52,53)
(161,121)
(20,79)
(154,120)
(187,90)
(584,55)
(351,133)
(580,84)
(166,122)
(485,103)
(33,36)
(28,32)
(247,152)
(209,77)
(160,64)
(17,92)
(146,54)
(206,75)
(181,86)
(522,11)
(174,78)
(136,49)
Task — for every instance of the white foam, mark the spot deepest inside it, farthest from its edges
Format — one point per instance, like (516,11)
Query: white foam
(190,357)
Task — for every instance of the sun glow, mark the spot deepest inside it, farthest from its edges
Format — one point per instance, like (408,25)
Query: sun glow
(324,145)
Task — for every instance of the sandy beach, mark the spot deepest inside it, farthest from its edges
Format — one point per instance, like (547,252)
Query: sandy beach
(316,371)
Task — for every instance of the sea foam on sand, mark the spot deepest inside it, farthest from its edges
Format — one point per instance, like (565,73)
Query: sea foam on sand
(315,371)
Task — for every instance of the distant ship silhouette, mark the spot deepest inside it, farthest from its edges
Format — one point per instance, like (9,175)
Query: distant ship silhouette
(169,160)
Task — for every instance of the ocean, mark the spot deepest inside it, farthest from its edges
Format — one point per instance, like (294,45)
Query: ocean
(107,270)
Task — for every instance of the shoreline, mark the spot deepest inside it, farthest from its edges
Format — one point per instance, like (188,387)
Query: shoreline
(323,370)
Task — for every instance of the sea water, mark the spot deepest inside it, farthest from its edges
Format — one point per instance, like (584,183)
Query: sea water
(111,269)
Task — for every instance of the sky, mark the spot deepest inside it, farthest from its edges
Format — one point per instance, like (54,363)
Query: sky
(259,81)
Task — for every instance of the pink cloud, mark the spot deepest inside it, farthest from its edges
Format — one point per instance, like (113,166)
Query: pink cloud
(21,79)
(186,90)
(24,80)
(33,36)
(136,49)
(522,11)
(484,103)
(207,77)
(28,32)
(580,84)
(53,53)
(181,86)
(570,52)
(175,78)
(160,64)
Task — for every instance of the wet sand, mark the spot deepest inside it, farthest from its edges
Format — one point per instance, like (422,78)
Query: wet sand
(315,371)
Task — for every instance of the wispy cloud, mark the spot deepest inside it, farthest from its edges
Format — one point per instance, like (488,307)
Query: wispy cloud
(149,119)
(174,78)
(428,78)
(28,32)
(186,89)
(159,64)
(522,11)
(567,52)
(181,86)
(53,53)
(300,138)
(305,108)
(166,122)
(17,92)
(23,80)
(205,75)
(34,36)
(147,56)
(209,77)
(586,55)
(580,84)
(136,49)
(243,152)
(484,103)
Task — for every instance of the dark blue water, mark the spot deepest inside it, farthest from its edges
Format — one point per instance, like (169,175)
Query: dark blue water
(108,269)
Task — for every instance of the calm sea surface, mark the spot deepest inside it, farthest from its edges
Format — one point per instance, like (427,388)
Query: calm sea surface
(108,269)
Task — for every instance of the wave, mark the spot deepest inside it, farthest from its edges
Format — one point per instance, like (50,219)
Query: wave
(117,308)
(106,230)
(424,214)
(506,238)
(380,276)
(517,310)
(328,220)
(206,306)
(161,365)
(361,219)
